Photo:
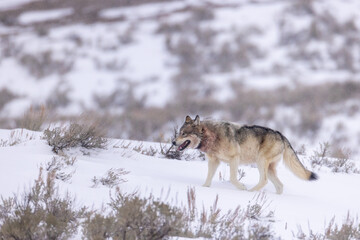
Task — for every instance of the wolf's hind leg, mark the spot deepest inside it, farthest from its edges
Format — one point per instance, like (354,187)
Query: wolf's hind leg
(274,178)
(263,170)
(212,166)
(233,175)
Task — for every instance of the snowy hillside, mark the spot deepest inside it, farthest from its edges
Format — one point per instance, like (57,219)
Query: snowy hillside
(303,204)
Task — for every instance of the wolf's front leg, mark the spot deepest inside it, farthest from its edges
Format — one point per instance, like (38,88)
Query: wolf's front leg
(233,175)
(213,164)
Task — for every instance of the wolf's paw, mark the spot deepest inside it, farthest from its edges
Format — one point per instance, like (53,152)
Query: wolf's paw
(206,185)
(254,189)
(241,187)
(279,191)
(238,184)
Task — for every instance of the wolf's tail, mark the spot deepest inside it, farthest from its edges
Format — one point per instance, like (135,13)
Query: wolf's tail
(292,161)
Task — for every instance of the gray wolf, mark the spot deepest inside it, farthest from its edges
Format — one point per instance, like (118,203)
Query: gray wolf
(236,144)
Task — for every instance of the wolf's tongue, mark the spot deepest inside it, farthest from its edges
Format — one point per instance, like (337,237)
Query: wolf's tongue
(184,145)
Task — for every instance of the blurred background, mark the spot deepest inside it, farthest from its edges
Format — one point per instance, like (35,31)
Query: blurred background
(140,66)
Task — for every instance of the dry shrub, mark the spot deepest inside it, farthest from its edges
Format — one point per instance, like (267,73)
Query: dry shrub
(323,28)
(320,156)
(148,151)
(33,119)
(170,153)
(197,50)
(168,29)
(112,178)
(337,160)
(9,47)
(123,97)
(43,64)
(59,167)
(145,122)
(252,222)
(97,226)
(187,52)
(342,162)
(349,229)
(127,37)
(40,213)
(87,136)
(112,65)
(58,98)
(202,13)
(134,217)
(313,103)
(5,97)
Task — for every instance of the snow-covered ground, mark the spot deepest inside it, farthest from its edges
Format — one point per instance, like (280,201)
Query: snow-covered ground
(145,60)
(291,44)
(41,16)
(302,204)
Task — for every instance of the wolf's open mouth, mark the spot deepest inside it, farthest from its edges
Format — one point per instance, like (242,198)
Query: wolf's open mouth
(184,145)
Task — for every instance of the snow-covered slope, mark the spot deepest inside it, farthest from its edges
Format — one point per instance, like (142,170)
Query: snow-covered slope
(302,203)
(190,57)
(97,57)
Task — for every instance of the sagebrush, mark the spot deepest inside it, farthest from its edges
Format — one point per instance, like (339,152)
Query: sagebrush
(112,178)
(40,213)
(88,136)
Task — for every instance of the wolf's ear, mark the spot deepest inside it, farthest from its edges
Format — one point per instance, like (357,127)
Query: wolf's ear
(197,120)
(188,119)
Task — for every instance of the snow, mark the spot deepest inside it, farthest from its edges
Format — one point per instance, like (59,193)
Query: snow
(302,203)
(41,16)
(147,64)
(146,60)
(344,10)
(143,11)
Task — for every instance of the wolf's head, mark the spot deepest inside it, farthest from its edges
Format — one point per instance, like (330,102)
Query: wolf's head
(189,135)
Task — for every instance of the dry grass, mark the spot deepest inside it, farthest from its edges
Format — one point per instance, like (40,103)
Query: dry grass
(16,137)
(34,118)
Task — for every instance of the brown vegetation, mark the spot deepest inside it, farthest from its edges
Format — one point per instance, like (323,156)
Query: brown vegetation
(87,136)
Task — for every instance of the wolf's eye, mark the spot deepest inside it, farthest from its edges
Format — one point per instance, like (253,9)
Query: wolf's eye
(183,134)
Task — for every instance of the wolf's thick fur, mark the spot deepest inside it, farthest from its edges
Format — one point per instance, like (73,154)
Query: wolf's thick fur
(235,144)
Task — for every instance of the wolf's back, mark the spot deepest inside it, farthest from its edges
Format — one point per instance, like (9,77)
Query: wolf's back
(292,161)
